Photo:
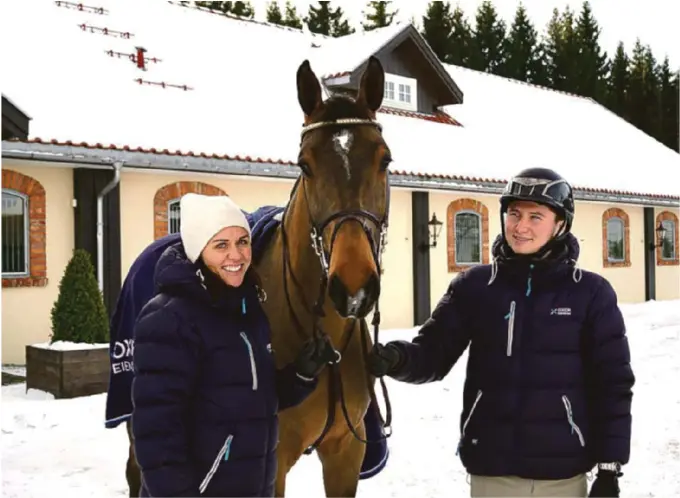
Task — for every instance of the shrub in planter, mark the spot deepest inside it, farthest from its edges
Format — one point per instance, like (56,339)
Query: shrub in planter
(75,362)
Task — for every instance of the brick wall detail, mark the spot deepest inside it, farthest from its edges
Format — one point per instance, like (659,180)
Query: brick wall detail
(616,213)
(171,192)
(663,216)
(37,237)
(465,205)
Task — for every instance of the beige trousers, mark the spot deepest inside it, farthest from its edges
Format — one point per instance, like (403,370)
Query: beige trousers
(483,486)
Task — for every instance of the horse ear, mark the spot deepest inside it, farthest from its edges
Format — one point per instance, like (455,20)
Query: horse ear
(308,89)
(372,85)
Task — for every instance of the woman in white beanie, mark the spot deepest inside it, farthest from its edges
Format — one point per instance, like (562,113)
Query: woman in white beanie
(206,391)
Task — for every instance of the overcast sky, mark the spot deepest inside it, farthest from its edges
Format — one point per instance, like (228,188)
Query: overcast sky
(655,22)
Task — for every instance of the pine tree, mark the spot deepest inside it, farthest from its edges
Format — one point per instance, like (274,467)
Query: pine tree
(319,19)
(668,106)
(274,15)
(241,9)
(523,57)
(592,66)
(292,20)
(643,102)
(437,29)
(489,39)
(378,16)
(340,25)
(617,83)
(561,51)
(461,47)
(79,314)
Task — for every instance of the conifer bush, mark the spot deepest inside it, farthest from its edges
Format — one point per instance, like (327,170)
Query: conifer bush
(79,314)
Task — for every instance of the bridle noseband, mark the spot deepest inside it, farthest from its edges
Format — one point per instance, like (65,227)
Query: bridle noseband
(377,248)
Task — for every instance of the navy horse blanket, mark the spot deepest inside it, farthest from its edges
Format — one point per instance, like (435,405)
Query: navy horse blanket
(138,288)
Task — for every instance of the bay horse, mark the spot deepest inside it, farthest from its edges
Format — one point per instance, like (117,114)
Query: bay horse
(321,275)
(322,272)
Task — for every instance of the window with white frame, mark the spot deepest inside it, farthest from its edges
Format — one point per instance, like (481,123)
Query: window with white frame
(15,240)
(668,249)
(467,226)
(401,92)
(615,239)
(173,216)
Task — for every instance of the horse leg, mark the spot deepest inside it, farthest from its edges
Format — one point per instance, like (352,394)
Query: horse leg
(341,458)
(132,472)
(288,452)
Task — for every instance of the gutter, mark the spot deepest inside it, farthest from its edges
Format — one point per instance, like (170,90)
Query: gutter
(69,155)
(118,165)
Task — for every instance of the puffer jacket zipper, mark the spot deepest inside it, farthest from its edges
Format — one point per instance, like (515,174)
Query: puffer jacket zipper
(511,327)
(253,367)
(467,420)
(222,454)
(570,418)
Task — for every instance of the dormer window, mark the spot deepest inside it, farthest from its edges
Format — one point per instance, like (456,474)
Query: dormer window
(401,92)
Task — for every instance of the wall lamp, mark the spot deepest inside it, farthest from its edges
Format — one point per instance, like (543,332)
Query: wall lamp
(434,227)
(660,235)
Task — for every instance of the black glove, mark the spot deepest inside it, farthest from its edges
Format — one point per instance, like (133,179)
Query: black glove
(383,360)
(314,355)
(606,484)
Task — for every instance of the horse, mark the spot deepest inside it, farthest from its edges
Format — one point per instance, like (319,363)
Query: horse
(337,215)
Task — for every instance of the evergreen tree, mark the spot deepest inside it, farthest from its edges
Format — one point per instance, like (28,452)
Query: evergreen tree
(643,100)
(561,51)
(292,20)
(461,44)
(523,58)
(617,83)
(592,65)
(489,39)
(324,20)
(79,315)
(241,9)
(378,16)
(437,29)
(274,15)
(668,106)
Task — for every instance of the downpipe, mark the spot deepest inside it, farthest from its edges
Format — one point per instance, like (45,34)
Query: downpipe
(118,165)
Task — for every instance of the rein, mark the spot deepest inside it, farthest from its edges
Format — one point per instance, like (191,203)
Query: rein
(377,248)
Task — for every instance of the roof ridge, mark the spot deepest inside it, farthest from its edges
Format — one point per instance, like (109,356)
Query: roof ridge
(234,17)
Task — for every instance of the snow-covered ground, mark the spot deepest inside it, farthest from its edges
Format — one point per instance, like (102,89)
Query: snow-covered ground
(60,447)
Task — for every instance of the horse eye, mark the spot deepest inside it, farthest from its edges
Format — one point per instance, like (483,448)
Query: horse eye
(304,167)
(386,160)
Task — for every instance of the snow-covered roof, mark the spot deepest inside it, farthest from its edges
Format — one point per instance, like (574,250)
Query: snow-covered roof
(240,98)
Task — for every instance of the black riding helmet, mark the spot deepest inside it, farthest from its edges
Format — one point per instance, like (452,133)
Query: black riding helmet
(542,186)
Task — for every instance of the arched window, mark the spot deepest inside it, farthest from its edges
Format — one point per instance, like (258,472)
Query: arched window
(468,237)
(15,240)
(173,216)
(667,254)
(616,248)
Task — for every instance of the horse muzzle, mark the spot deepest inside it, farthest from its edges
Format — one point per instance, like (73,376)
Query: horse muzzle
(358,304)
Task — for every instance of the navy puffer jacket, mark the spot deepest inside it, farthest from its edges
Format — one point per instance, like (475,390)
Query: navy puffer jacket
(548,388)
(206,392)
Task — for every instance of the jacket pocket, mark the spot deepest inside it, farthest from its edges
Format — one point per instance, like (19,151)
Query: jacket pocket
(510,317)
(251,354)
(467,420)
(570,418)
(223,454)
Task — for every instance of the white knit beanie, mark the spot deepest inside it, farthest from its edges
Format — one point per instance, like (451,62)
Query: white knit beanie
(202,216)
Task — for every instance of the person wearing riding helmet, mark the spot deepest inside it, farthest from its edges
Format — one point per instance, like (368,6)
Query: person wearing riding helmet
(548,391)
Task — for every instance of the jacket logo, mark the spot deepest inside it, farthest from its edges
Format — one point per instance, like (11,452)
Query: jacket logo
(560,311)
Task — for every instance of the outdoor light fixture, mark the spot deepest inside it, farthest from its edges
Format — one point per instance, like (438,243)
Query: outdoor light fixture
(434,227)
(660,234)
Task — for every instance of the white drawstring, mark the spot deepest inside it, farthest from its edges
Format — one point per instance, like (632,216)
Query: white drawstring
(494,271)
(577,274)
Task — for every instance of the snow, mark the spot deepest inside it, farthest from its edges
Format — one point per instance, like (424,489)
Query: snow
(69,346)
(243,99)
(60,447)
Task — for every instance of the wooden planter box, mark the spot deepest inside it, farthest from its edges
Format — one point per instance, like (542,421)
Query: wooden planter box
(68,373)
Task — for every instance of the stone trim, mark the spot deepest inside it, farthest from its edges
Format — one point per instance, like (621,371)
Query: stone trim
(37,229)
(606,216)
(663,216)
(172,191)
(465,205)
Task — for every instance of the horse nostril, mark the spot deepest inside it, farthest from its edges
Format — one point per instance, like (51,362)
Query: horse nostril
(337,290)
(357,305)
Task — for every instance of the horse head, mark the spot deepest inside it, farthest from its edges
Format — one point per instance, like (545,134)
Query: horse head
(344,177)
